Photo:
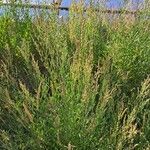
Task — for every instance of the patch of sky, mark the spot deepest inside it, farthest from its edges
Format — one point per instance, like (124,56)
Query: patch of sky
(109,4)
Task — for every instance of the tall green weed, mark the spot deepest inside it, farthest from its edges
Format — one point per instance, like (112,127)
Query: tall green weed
(82,83)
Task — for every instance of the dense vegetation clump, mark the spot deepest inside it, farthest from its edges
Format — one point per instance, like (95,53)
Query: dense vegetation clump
(82,83)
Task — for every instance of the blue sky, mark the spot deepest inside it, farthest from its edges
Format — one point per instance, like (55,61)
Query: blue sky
(110,4)
(115,4)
